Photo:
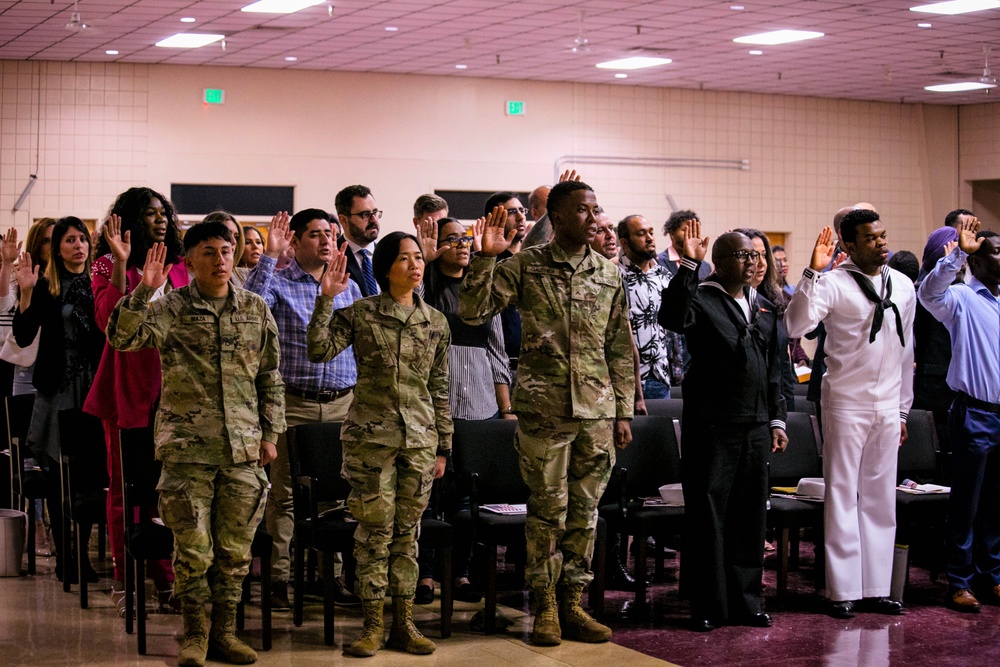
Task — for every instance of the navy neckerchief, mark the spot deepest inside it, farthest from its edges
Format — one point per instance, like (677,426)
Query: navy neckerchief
(881,302)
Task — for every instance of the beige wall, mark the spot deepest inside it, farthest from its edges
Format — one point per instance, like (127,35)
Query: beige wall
(980,161)
(102,128)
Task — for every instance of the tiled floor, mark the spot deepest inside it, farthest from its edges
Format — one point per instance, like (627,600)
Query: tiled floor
(42,625)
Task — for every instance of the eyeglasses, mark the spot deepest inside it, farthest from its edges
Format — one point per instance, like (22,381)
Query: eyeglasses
(369,215)
(745,255)
(456,241)
(515,211)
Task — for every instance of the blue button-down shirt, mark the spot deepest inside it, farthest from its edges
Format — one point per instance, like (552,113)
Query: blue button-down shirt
(291,295)
(972,316)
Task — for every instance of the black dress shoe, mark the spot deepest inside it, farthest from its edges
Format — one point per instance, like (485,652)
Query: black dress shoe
(424,594)
(759,620)
(466,593)
(703,624)
(279,596)
(882,606)
(841,609)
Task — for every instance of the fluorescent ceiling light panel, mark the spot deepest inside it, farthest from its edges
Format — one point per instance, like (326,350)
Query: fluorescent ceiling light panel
(189,40)
(959,87)
(280,6)
(635,62)
(953,7)
(778,37)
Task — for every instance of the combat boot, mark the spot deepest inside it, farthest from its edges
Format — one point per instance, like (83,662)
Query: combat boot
(222,641)
(404,634)
(194,643)
(546,630)
(372,634)
(576,623)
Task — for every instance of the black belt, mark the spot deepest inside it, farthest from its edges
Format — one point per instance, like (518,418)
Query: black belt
(985,406)
(321,396)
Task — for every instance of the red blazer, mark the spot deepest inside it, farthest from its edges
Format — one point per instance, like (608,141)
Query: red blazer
(127,385)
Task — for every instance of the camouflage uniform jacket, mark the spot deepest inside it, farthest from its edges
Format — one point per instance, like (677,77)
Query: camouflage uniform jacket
(221,390)
(576,348)
(401,398)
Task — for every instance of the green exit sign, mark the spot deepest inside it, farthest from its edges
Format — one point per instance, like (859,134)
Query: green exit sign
(214,96)
(515,108)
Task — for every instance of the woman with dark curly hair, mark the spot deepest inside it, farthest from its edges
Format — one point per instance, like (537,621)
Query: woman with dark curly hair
(127,384)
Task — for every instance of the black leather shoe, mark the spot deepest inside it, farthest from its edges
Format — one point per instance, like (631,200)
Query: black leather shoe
(466,592)
(342,596)
(424,595)
(841,609)
(703,624)
(279,596)
(882,606)
(759,620)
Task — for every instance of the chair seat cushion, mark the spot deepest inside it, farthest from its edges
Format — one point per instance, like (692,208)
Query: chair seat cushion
(435,533)
(795,512)
(654,519)
(150,541)
(329,534)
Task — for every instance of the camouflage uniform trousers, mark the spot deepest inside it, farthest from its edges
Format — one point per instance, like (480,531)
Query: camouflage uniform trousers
(213,512)
(390,487)
(566,463)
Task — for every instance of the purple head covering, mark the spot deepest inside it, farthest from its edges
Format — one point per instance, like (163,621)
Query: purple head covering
(934,249)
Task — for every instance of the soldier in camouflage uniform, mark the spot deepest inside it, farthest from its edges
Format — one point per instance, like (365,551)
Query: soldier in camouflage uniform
(398,430)
(221,409)
(574,393)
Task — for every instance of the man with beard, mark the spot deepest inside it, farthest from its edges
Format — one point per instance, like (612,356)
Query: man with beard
(516,225)
(359,218)
(645,279)
(733,413)
(867,310)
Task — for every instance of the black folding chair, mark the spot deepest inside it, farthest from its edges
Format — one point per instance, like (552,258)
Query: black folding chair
(84,473)
(27,486)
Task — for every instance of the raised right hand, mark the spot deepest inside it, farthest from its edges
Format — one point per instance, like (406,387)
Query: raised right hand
(823,250)
(279,235)
(120,244)
(10,248)
(494,239)
(335,277)
(27,275)
(427,234)
(154,272)
(694,245)
(967,240)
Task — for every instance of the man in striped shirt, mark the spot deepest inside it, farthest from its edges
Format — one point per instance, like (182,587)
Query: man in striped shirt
(313,392)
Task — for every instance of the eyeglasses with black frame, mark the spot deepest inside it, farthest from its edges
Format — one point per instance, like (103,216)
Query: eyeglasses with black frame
(515,211)
(455,241)
(368,215)
(745,255)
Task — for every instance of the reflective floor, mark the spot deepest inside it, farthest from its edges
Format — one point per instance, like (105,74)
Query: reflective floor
(42,625)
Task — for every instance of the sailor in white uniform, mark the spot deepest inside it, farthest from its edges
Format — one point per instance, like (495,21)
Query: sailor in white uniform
(867,309)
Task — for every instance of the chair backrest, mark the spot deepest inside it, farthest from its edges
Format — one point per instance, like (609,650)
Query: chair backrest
(140,469)
(81,440)
(486,448)
(651,459)
(18,411)
(918,457)
(665,407)
(315,450)
(801,457)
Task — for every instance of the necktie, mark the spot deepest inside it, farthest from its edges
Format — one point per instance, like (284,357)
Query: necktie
(881,303)
(371,287)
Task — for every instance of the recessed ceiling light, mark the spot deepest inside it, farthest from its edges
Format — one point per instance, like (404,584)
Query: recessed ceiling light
(291,59)
(391,28)
(621,75)
(959,87)
(280,6)
(111,52)
(635,62)
(188,19)
(778,37)
(755,52)
(953,7)
(461,67)
(737,8)
(923,25)
(189,40)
